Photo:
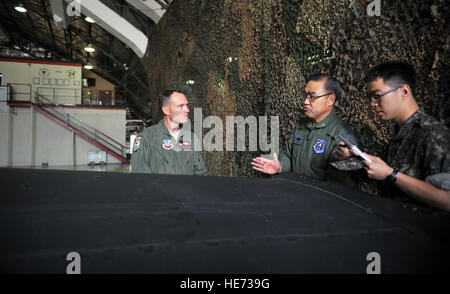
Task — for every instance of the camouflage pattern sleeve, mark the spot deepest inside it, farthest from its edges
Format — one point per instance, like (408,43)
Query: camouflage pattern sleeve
(436,152)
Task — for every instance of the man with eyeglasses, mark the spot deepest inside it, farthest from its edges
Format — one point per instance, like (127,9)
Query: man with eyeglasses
(418,156)
(308,151)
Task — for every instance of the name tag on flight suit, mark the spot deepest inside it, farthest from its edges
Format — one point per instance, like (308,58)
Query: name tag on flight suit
(184,144)
(298,140)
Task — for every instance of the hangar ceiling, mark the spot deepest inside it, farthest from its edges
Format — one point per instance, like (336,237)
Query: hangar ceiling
(37,34)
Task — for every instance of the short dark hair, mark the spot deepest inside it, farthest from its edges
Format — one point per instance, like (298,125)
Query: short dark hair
(331,83)
(394,74)
(165,95)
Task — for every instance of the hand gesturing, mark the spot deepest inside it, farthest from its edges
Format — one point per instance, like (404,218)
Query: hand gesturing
(266,165)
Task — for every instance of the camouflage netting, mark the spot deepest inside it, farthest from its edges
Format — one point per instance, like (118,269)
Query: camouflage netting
(251,57)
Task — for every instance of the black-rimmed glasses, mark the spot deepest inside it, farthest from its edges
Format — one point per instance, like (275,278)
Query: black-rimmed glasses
(311,97)
(377,98)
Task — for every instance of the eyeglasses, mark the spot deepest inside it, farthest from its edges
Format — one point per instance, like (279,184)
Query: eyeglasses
(377,98)
(311,97)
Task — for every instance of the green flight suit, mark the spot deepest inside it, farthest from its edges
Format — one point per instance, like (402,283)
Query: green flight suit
(309,149)
(156,151)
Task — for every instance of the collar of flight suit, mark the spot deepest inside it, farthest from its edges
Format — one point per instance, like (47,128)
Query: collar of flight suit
(163,128)
(330,117)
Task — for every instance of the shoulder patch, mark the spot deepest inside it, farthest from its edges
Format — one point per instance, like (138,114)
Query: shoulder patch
(137,143)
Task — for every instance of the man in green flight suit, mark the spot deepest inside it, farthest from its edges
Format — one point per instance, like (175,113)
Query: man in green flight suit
(309,150)
(166,148)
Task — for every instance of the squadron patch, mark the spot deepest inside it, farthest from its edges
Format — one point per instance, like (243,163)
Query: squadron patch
(167,144)
(137,144)
(319,147)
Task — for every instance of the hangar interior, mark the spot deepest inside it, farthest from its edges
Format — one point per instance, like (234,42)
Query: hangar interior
(232,58)
(79,79)
(73,89)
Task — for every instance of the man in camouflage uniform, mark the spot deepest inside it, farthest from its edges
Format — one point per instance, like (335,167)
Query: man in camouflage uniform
(165,148)
(308,151)
(418,156)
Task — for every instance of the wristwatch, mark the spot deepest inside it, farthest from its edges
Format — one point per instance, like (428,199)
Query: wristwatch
(392,178)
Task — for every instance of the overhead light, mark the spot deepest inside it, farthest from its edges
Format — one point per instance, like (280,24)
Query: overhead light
(88,66)
(88,19)
(20,8)
(89,48)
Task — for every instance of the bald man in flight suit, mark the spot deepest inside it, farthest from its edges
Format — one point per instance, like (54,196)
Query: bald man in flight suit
(165,148)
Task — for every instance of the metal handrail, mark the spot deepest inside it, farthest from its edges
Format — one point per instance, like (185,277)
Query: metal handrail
(75,90)
(15,93)
(90,128)
(8,93)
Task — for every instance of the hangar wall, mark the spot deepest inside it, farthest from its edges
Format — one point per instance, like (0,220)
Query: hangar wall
(251,57)
(28,138)
(92,95)
(58,81)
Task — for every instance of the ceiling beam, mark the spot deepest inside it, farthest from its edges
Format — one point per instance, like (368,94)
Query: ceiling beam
(99,71)
(162,3)
(59,10)
(47,18)
(4,37)
(114,24)
(150,8)
(80,33)
(6,8)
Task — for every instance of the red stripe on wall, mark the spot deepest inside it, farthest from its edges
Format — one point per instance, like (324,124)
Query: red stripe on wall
(40,62)
(92,107)
(19,104)
(71,107)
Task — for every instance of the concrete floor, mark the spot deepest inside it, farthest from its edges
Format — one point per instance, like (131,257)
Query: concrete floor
(120,168)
